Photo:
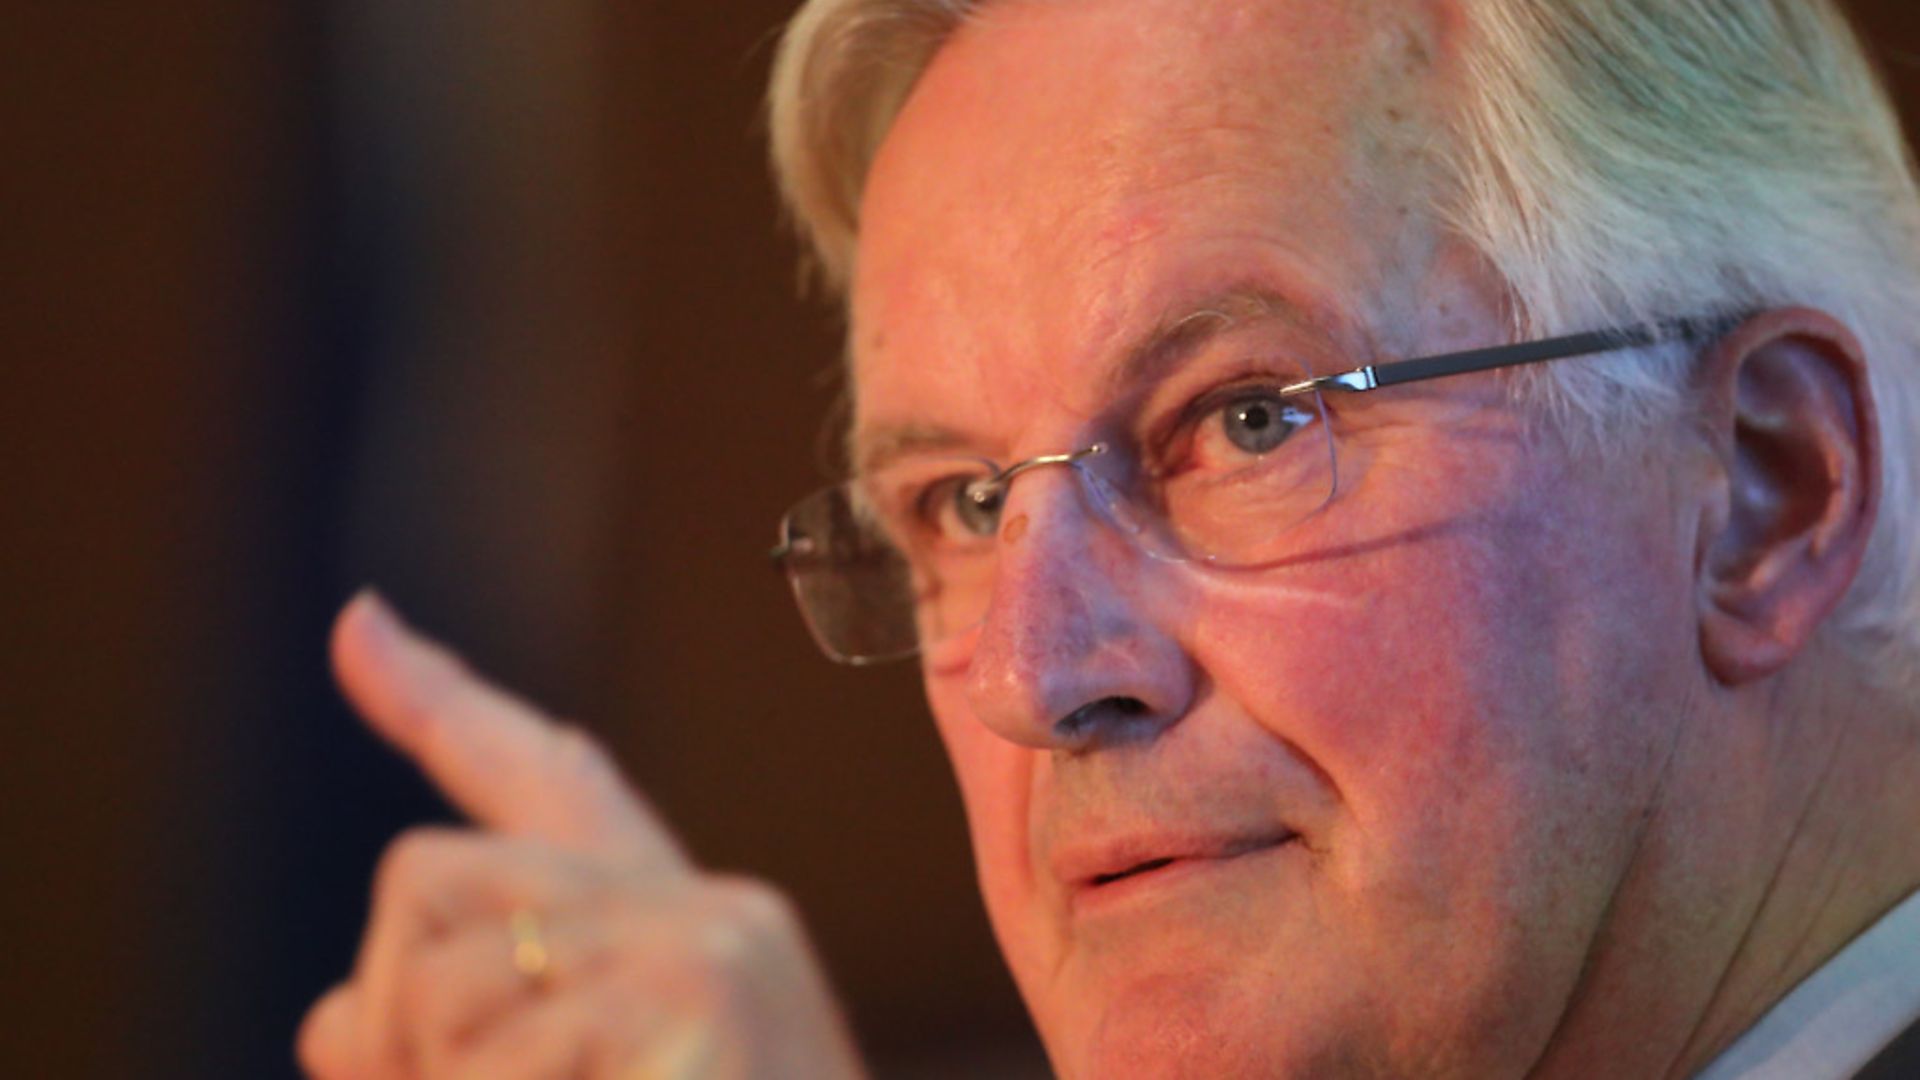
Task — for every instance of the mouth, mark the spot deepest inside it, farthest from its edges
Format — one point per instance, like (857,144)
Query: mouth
(1144,868)
(1128,874)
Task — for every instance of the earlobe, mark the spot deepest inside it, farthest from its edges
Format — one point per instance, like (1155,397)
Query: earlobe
(1788,409)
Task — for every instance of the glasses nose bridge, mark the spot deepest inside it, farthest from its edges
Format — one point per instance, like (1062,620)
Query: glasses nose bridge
(1006,475)
(1001,484)
(1109,499)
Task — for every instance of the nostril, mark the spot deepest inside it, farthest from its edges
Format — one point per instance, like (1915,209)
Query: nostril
(1108,711)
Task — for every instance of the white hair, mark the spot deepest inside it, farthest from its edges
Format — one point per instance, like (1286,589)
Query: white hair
(1618,162)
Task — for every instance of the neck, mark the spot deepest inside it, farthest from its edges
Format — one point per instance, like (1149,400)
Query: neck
(1764,856)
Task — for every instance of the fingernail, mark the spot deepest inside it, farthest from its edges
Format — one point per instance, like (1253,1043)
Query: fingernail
(409,655)
(379,622)
(387,670)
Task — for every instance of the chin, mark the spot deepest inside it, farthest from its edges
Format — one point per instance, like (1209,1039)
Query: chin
(1178,1024)
(1228,1021)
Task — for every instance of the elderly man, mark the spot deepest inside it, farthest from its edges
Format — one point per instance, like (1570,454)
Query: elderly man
(1404,513)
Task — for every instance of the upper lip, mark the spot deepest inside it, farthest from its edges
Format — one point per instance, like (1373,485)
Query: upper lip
(1089,865)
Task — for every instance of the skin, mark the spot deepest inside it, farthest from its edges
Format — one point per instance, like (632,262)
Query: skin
(1516,762)
(653,968)
(1520,710)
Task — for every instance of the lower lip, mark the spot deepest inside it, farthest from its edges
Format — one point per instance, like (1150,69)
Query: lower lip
(1179,874)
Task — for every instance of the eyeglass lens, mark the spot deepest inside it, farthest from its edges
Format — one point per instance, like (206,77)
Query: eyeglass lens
(889,564)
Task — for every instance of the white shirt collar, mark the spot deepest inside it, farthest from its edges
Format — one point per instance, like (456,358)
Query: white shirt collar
(1843,1014)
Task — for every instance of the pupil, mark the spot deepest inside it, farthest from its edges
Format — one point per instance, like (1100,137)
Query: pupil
(980,507)
(1257,425)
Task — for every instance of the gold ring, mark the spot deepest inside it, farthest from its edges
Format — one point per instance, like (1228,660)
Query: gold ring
(531,957)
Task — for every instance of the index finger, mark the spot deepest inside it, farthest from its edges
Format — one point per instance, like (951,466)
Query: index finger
(498,759)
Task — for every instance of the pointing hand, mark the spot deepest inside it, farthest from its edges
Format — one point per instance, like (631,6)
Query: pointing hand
(566,933)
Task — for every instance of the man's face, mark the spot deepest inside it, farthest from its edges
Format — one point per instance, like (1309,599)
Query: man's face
(1398,772)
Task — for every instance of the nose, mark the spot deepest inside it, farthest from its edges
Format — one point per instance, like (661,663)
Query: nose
(1070,656)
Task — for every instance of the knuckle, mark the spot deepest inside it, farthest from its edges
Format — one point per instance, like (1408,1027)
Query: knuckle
(308,1051)
(749,917)
(437,1002)
(418,983)
(574,751)
(410,863)
(578,758)
(317,1046)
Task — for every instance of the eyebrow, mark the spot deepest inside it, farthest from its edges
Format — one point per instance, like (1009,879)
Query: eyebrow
(1158,352)
(1175,339)
(887,444)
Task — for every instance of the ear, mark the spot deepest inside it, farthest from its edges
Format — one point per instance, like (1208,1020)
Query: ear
(1789,414)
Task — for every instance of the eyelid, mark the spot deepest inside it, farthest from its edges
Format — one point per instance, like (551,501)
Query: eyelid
(905,491)
(1253,375)
(917,473)
(932,498)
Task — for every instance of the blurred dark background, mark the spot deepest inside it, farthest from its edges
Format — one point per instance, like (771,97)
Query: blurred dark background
(486,303)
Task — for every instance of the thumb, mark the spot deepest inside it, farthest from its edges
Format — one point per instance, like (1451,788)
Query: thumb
(499,760)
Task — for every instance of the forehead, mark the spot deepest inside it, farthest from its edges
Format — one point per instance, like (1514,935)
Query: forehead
(1065,172)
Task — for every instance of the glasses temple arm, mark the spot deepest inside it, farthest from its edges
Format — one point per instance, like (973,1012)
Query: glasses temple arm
(1526,352)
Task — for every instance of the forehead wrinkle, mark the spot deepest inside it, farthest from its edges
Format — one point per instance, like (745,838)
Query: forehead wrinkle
(1237,115)
(1171,340)
(1179,335)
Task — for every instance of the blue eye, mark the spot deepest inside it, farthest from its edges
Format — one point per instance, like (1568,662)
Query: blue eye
(1256,423)
(962,507)
(977,506)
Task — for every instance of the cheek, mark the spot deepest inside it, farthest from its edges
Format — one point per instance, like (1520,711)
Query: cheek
(1417,697)
(996,779)
(1488,703)
(1463,669)
(1463,644)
